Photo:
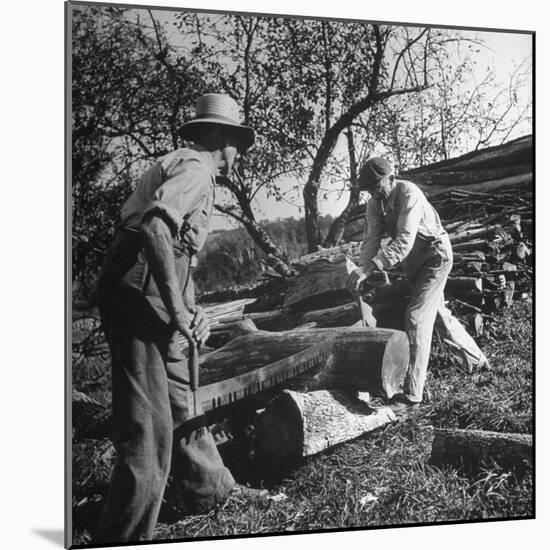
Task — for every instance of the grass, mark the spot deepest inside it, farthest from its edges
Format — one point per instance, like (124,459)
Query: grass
(385,478)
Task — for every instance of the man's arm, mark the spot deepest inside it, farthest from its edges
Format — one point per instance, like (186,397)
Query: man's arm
(374,229)
(408,222)
(161,224)
(157,247)
(372,235)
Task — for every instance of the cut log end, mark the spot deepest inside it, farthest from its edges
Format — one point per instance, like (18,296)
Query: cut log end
(278,440)
(296,425)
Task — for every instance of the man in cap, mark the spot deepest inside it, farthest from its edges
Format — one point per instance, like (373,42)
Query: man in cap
(146,300)
(422,247)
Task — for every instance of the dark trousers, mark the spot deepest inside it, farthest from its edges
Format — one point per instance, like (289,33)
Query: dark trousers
(150,385)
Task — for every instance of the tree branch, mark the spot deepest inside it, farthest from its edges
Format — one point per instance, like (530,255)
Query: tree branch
(410,43)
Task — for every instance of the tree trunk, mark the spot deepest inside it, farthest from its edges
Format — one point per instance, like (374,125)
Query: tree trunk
(258,234)
(337,228)
(297,425)
(363,359)
(311,212)
(263,240)
(473,449)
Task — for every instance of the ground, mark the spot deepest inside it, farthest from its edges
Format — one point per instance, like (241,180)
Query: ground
(383,478)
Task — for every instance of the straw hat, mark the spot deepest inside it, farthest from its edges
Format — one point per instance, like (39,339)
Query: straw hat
(218,109)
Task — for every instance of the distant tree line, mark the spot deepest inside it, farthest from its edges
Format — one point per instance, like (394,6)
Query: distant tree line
(231,258)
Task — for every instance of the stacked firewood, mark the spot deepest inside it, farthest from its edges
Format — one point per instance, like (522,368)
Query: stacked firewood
(485,201)
(491,236)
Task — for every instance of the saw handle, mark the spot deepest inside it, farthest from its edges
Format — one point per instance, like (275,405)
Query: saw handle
(193,365)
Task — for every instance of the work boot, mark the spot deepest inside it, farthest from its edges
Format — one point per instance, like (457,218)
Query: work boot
(483,363)
(401,404)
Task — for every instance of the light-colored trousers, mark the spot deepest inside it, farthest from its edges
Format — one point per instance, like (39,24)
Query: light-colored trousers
(427,267)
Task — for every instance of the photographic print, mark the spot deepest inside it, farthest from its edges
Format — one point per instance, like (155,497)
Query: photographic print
(301,274)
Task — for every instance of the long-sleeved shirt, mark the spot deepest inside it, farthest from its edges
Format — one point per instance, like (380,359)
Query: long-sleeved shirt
(180,189)
(405,214)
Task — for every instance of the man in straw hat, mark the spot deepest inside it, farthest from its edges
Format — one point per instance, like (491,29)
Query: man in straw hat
(146,299)
(422,247)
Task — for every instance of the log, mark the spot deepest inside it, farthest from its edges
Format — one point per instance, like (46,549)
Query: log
(297,425)
(452,178)
(479,246)
(518,151)
(287,318)
(339,316)
(223,333)
(224,329)
(464,284)
(469,234)
(320,282)
(335,253)
(490,186)
(362,359)
(475,256)
(307,326)
(472,450)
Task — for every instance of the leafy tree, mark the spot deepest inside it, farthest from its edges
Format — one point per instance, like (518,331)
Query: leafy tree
(126,110)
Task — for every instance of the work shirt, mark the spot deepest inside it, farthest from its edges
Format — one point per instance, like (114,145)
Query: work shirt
(405,216)
(180,189)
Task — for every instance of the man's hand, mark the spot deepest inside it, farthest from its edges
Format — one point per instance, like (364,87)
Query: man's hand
(194,326)
(199,325)
(357,276)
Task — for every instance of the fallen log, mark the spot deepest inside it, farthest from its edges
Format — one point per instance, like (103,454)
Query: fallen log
(297,425)
(464,284)
(479,246)
(512,153)
(225,332)
(320,282)
(452,178)
(512,182)
(335,253)
(340,316)
(287,318)
(363,359)
(471,450)
(347,314)
(468,234)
